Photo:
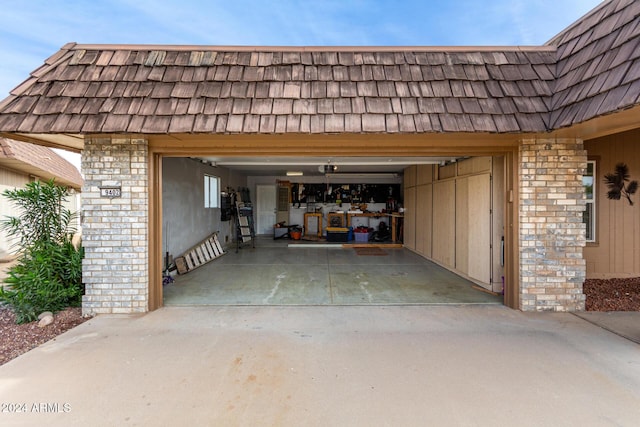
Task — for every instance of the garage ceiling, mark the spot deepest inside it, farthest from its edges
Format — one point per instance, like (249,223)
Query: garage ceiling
(314,166)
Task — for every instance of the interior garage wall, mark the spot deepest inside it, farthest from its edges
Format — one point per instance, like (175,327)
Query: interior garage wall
(296,215)
(185,220)
(616,251)
(451,215)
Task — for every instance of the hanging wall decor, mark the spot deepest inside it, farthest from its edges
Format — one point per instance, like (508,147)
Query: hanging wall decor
(619,184)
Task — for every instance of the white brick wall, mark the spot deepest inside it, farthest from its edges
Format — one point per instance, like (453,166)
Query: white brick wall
(115,267)
(552,235)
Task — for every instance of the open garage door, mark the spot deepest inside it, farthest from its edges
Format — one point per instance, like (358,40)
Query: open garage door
(463,231)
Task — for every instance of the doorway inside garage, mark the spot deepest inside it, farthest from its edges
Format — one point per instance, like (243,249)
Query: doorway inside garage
(440,233)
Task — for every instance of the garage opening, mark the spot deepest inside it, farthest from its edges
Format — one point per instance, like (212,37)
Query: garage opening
(336,230)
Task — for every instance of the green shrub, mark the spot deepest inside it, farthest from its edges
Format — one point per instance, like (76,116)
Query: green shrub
(48,274)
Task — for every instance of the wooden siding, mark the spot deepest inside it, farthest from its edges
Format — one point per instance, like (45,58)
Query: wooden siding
(616,252)
(11,179)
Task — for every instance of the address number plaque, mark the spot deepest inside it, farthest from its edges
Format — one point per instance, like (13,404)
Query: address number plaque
(111,192)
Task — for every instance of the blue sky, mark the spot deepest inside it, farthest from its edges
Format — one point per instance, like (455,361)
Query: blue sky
(31,31)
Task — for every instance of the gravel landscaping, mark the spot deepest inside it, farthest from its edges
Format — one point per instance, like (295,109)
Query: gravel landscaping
(612,294)
(18,339)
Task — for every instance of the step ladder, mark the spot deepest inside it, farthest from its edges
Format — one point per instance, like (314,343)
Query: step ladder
(244,224)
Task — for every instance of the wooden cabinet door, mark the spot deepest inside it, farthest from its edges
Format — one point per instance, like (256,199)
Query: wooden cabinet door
(409,237)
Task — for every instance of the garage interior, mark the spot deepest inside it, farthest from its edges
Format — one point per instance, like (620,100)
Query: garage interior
(446,247)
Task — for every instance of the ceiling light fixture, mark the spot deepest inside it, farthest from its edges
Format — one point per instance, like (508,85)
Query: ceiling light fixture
(327,168)
(295,173)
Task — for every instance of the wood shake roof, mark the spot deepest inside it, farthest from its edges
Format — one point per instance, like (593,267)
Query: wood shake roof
(165,89)
(598,69)
(39,161)
(588,70)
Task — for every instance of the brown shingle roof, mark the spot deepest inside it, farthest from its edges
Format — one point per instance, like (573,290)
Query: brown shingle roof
(160,89)
(39,161)
(598,69)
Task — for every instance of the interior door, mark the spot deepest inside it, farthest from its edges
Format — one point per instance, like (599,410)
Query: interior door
(265,208)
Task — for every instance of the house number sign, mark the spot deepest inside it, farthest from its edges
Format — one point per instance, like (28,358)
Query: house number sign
(110,192)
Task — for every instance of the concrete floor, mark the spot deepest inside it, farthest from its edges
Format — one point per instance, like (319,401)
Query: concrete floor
(277,272)
(475,365)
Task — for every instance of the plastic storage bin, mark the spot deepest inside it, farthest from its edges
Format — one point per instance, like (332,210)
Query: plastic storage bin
(362,237)
(338,234)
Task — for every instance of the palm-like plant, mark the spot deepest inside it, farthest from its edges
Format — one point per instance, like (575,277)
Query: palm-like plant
(48,274)
(619,184)
(42,219)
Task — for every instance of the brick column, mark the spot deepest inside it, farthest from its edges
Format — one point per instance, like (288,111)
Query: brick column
(114,230)
(552,235)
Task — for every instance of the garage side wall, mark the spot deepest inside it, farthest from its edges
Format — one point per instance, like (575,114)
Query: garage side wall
(185,220)
(552,235)
(115,229)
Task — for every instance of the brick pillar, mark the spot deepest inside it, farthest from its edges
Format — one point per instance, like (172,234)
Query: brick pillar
(552,235)
(114,229)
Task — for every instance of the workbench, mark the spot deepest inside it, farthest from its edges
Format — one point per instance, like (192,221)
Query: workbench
(317,215)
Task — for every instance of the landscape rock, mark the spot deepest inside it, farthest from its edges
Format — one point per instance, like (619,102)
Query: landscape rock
(44,314)
(45,320)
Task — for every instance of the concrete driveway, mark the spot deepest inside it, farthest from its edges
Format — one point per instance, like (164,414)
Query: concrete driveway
(327,366)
